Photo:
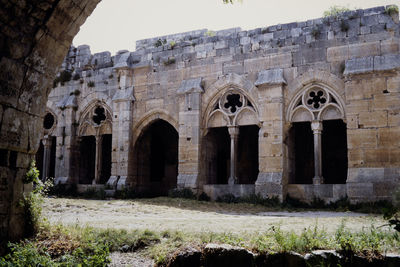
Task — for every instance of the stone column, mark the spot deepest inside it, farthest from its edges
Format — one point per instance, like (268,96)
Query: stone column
(46,157)
(234,134)
(98,163)
(123,102)
(272,178)
(316,127)
(190,93)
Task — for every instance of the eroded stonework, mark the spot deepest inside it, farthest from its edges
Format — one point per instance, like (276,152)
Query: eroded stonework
(309,109)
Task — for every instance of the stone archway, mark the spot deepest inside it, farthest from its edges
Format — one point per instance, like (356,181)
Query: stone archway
(35,37)
(155,159)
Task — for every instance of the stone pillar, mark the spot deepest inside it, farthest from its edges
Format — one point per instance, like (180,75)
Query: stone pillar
(46,156)
(67,135)
(316,127)
(98,163)
(122,129)
(272,178)
(234,134)
(189,133)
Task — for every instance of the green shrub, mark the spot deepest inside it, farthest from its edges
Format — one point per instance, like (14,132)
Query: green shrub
(210,33)
(181,193)
(32,175)
(392,10)
(25,254)
(90,84)
(169,61)
(160,42)
(126,193)
(228,198)
(76,77)
(94,254)
(172,44)
(32,201)
(203,197)
(335,11)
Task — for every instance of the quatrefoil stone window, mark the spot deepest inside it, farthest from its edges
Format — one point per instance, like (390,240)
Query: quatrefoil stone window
(233,102)
(316,99)
(99,115)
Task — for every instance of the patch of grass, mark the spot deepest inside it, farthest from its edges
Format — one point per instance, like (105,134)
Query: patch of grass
(210,33)
(335,11)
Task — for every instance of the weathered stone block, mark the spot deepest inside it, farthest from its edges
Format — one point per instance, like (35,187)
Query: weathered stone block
(338,53)
(375,157)
(389,137)
(386,62)
(359,65)
(361,138)
(373,119)
(364,49)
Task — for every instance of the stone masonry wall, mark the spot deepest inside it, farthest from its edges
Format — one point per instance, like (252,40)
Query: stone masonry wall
(355,54)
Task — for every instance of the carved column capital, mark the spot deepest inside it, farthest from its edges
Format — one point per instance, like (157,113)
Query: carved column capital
(316,127)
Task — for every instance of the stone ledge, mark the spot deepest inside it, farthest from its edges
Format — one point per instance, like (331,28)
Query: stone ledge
(370,64)
(270,77)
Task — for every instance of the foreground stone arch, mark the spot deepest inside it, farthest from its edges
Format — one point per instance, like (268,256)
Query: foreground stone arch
(34,44)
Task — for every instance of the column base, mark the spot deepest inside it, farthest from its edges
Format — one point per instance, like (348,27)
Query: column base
(121,184)
(60,180)
(318,180)
(187,180)
(232,181)
(112,182)
(269,184)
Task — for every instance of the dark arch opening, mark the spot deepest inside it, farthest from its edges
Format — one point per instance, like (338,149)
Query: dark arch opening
(156,160)
(48,121)
(217,154)
(334,152)
(105,171)
(87,159)
(301,153)
(247,164)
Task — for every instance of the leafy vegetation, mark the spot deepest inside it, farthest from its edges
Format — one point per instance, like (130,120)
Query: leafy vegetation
(90,84)
(392,10)
(335,11)
(65,76)
(160,42)
(182,193)
(169,61)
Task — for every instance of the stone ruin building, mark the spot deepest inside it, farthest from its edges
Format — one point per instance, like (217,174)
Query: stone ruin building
(310,109)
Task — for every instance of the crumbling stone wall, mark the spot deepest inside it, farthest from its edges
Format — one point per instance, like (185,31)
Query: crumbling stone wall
(34,38)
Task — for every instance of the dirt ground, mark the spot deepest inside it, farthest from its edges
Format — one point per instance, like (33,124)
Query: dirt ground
(191,216)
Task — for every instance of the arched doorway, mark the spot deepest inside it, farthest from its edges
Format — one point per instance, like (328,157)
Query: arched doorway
(94,144)
(46,155)
(230,147)
(155,162)
(317,138)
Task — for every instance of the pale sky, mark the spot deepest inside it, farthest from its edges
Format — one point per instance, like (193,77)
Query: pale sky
(118,24)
